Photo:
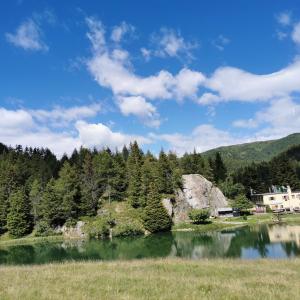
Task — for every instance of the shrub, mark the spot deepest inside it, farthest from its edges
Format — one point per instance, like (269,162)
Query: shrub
(43,229)
(128,229)
(98,228)
(199,216)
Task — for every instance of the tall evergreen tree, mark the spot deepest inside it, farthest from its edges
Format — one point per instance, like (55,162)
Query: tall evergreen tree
(35,198)
(50,208)
(90,189)
(19,220)
(68,190)
(134,164)
(155,217)
(219,169)
(165,183)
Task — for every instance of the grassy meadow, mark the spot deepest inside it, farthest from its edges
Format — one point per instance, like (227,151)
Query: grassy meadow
(154,279)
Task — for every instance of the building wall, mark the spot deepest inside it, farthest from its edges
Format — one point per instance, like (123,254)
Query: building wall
(289,200)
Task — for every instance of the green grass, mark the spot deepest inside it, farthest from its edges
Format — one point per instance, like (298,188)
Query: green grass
(214,225)
(154,279)
(5,240)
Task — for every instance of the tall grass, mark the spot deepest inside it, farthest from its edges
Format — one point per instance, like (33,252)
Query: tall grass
(154,279)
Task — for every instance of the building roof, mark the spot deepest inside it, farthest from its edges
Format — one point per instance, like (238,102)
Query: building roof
(224,209)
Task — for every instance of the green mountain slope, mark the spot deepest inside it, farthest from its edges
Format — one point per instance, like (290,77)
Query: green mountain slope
(241,155)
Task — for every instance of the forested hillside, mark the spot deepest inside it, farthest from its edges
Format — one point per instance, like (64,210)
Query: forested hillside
(39,192)
(283,169)
(241,155)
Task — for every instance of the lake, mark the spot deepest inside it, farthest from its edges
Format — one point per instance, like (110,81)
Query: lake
(248,242)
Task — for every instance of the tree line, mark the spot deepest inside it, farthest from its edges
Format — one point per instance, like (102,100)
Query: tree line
(38,191)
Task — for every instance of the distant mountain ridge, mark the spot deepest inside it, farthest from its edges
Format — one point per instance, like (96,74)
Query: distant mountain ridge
(236,156)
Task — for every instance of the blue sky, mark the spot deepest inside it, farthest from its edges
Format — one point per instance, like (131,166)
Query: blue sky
(173,74)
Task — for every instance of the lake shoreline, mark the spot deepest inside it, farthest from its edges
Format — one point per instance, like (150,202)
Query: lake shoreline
(215,225)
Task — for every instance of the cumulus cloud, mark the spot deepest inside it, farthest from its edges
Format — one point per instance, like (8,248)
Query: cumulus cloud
(296,33)
(279,119)
(284,18)
(112,68)
(32,128)
(60,116)
(202,138)
(118,32)
(15,121)
(99,135)
(138,106)
(230,84)
(28,36)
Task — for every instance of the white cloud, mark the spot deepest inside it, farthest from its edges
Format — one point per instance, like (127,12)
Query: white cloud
(60,116)
(296,33)
(99,135)
(202,138)
(138,106)
(118,32)
(279,119)
(239,85)
(220,42)
(208,98)
(281,35)
(113,72)
(28,36)
(32,128)
(171,43)
(284,18)
(15,121)
(187,83)
(146,53)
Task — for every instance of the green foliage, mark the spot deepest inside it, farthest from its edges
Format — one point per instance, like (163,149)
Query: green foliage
(128,229)
(134,163)
(43,229)
(50,209)
(165,184)
(245,154)
(231,189)
(97,228)
(155,216)
(199,216)
(219,169)
(19,220)
(241,202)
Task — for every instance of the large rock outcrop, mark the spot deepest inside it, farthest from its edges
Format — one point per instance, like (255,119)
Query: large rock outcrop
(197,192)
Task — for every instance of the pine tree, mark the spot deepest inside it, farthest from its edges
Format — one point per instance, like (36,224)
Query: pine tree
(90,190)
(35,197)
(149,173)
(155,217)
(134,164)
(50,208)
(68,190)
(165,183)
(19,220)
(219,169)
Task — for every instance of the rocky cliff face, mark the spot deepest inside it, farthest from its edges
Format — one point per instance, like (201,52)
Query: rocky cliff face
(197,192)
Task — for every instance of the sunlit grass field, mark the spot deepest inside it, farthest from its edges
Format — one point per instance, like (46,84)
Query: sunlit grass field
(154,279)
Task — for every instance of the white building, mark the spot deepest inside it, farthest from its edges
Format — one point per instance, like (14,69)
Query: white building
(287,199)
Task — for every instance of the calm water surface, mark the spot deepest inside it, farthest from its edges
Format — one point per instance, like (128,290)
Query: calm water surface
(272,241)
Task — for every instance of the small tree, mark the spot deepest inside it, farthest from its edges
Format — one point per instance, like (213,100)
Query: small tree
(199,216)
(155,216)
(242,203)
